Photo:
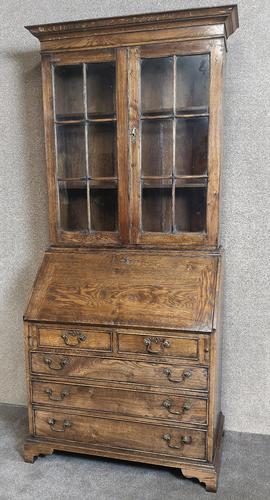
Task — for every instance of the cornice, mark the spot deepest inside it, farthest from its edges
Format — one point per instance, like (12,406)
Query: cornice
(226,15)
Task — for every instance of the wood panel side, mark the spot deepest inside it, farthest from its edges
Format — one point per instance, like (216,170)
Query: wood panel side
(215,372)
(27,345)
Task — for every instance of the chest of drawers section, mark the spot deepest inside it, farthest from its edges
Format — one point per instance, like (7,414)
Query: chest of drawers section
(128,390)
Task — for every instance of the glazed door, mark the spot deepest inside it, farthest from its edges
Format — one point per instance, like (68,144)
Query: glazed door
(133,139)
(173,165)
(87,163)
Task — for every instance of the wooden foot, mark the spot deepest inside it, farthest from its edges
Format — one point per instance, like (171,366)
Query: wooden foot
(208,474)
(207,477)
(33,450)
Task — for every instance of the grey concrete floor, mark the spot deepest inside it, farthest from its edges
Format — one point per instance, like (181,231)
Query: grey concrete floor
(245,471)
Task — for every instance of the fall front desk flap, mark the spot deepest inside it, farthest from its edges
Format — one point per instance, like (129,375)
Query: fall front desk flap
(110,287)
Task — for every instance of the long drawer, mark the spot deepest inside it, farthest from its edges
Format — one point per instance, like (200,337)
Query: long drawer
(121,401)
(121,434)
(139,372)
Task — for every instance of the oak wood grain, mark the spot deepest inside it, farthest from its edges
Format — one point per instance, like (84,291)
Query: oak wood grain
(120,434)
(185,347)
(131,402)
(94,339)
(131,289)
(134,372)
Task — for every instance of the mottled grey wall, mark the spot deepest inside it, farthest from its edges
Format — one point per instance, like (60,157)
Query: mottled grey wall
(246,198)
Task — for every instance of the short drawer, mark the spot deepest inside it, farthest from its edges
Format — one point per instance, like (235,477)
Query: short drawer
(121,434)
(191,347)
(91,339)
(139,372)
(122,401)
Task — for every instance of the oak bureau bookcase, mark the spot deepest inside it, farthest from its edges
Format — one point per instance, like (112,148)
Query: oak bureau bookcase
(122,331)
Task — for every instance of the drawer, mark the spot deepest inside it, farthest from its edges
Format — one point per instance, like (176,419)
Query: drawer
(191,347)
(122,401)
(92,339)
(137,372)
(121,434)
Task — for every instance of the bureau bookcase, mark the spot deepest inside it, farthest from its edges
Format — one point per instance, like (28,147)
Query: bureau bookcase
(122,330)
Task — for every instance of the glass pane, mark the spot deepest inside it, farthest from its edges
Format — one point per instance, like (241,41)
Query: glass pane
(191,146)
(190,209)
(192,83)
(68,88)
(102,149)
(71,151)
(101,88)
(157,85)
(157,209)
(73,206)
(157,147)
(103,209)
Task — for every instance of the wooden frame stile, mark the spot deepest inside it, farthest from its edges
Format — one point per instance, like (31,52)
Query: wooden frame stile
(123,144)
(215,141)
(47,85)
(135,153)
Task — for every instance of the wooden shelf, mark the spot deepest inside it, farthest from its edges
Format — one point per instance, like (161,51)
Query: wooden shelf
(101,120)
(180,181)
(169,186)
(94,182)
(153,177)
(93,118)
(191,112)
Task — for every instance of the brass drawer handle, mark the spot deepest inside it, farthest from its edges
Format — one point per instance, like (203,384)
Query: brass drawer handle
(62,364)
(183,440)
(168,404)
(185,375)
(66,425)
(76,334)
(63,394)
(163,343)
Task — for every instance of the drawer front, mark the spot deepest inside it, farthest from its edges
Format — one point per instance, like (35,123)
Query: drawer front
(96,340)
(161,439)
(191,347)
(122,401)
(139,372)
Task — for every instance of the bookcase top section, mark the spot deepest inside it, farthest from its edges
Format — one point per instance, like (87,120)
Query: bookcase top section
(225,15)
(175,291)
